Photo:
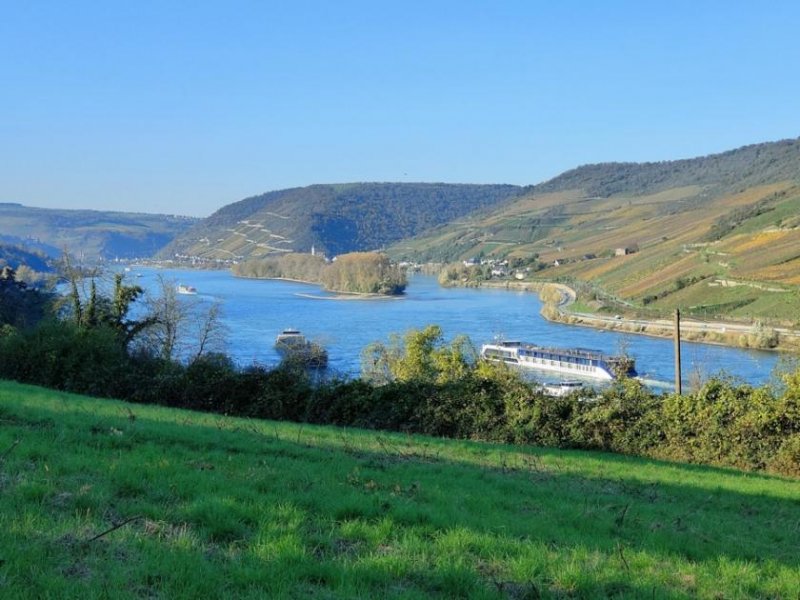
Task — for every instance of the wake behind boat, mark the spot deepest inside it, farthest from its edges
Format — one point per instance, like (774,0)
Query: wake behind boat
(580,362)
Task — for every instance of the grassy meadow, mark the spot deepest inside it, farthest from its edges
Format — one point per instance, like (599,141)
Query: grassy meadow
(210,506)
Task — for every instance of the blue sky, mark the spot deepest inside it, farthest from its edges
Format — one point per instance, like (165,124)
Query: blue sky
(183,107)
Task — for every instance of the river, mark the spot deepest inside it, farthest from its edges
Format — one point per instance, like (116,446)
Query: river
(255,311)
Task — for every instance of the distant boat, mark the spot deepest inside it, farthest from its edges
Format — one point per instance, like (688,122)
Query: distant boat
(294,346)
(188,290)
(563,388)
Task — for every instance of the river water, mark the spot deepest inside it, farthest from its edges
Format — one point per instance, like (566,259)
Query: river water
(255,311)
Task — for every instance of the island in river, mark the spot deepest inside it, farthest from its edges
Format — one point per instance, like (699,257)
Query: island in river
(369,273)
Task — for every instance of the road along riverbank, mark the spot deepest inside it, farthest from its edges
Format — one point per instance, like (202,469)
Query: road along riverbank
(557,299)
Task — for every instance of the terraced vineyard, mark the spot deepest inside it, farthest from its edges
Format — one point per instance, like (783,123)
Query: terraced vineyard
(725,243)
(332,219)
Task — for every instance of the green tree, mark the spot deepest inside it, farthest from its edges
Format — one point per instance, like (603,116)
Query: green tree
(101,311)
(421,356)
(21,306)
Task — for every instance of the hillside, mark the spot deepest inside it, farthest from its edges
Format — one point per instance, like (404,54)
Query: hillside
(102,498)
(716,235)
(17,256)
(89,234)
(748,166)
(333,219)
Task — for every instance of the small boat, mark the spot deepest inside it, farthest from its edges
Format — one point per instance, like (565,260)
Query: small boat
(577,362)
(294,347)
(563,388)
(188,290)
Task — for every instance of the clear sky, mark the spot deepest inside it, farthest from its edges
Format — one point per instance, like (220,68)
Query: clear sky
(183,107)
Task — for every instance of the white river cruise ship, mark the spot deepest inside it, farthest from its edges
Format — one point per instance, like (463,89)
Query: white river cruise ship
(580,362)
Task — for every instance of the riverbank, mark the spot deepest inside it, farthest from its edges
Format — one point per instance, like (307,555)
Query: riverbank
(254,312)
(736,335)
(558,297)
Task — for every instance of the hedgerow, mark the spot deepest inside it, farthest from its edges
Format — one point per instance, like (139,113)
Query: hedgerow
(430,387)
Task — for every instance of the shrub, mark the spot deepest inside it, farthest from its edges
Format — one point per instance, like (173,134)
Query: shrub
(65,357)
(625,419)
(430,387)
(731,424)
(208,383)
(344,403)
(549,421)
(696,424)
(787,459)
(470,408)
(283,394)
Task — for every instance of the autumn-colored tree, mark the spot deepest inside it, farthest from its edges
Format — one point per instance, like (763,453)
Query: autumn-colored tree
(356,272)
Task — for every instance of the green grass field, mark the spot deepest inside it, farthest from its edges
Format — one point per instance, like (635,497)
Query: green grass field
(215,507)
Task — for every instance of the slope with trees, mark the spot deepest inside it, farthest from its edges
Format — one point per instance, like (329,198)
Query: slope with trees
(90,234)
(333,219)
(30,265)
(21,305)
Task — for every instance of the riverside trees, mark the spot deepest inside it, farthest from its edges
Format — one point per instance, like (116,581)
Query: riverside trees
(112,312)
(21,306)
(105,340)
(356,272)
(182,328)
(419,383)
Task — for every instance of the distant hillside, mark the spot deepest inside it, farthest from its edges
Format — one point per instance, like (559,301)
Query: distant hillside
(748,166)
(89,233)
(715,235)
(16,256)
(334,219)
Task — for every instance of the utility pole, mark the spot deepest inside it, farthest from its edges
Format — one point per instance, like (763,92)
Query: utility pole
(678,351)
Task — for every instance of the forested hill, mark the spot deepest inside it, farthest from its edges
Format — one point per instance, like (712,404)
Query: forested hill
(756,164)
(17,256)
(334,219)
(90,234)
